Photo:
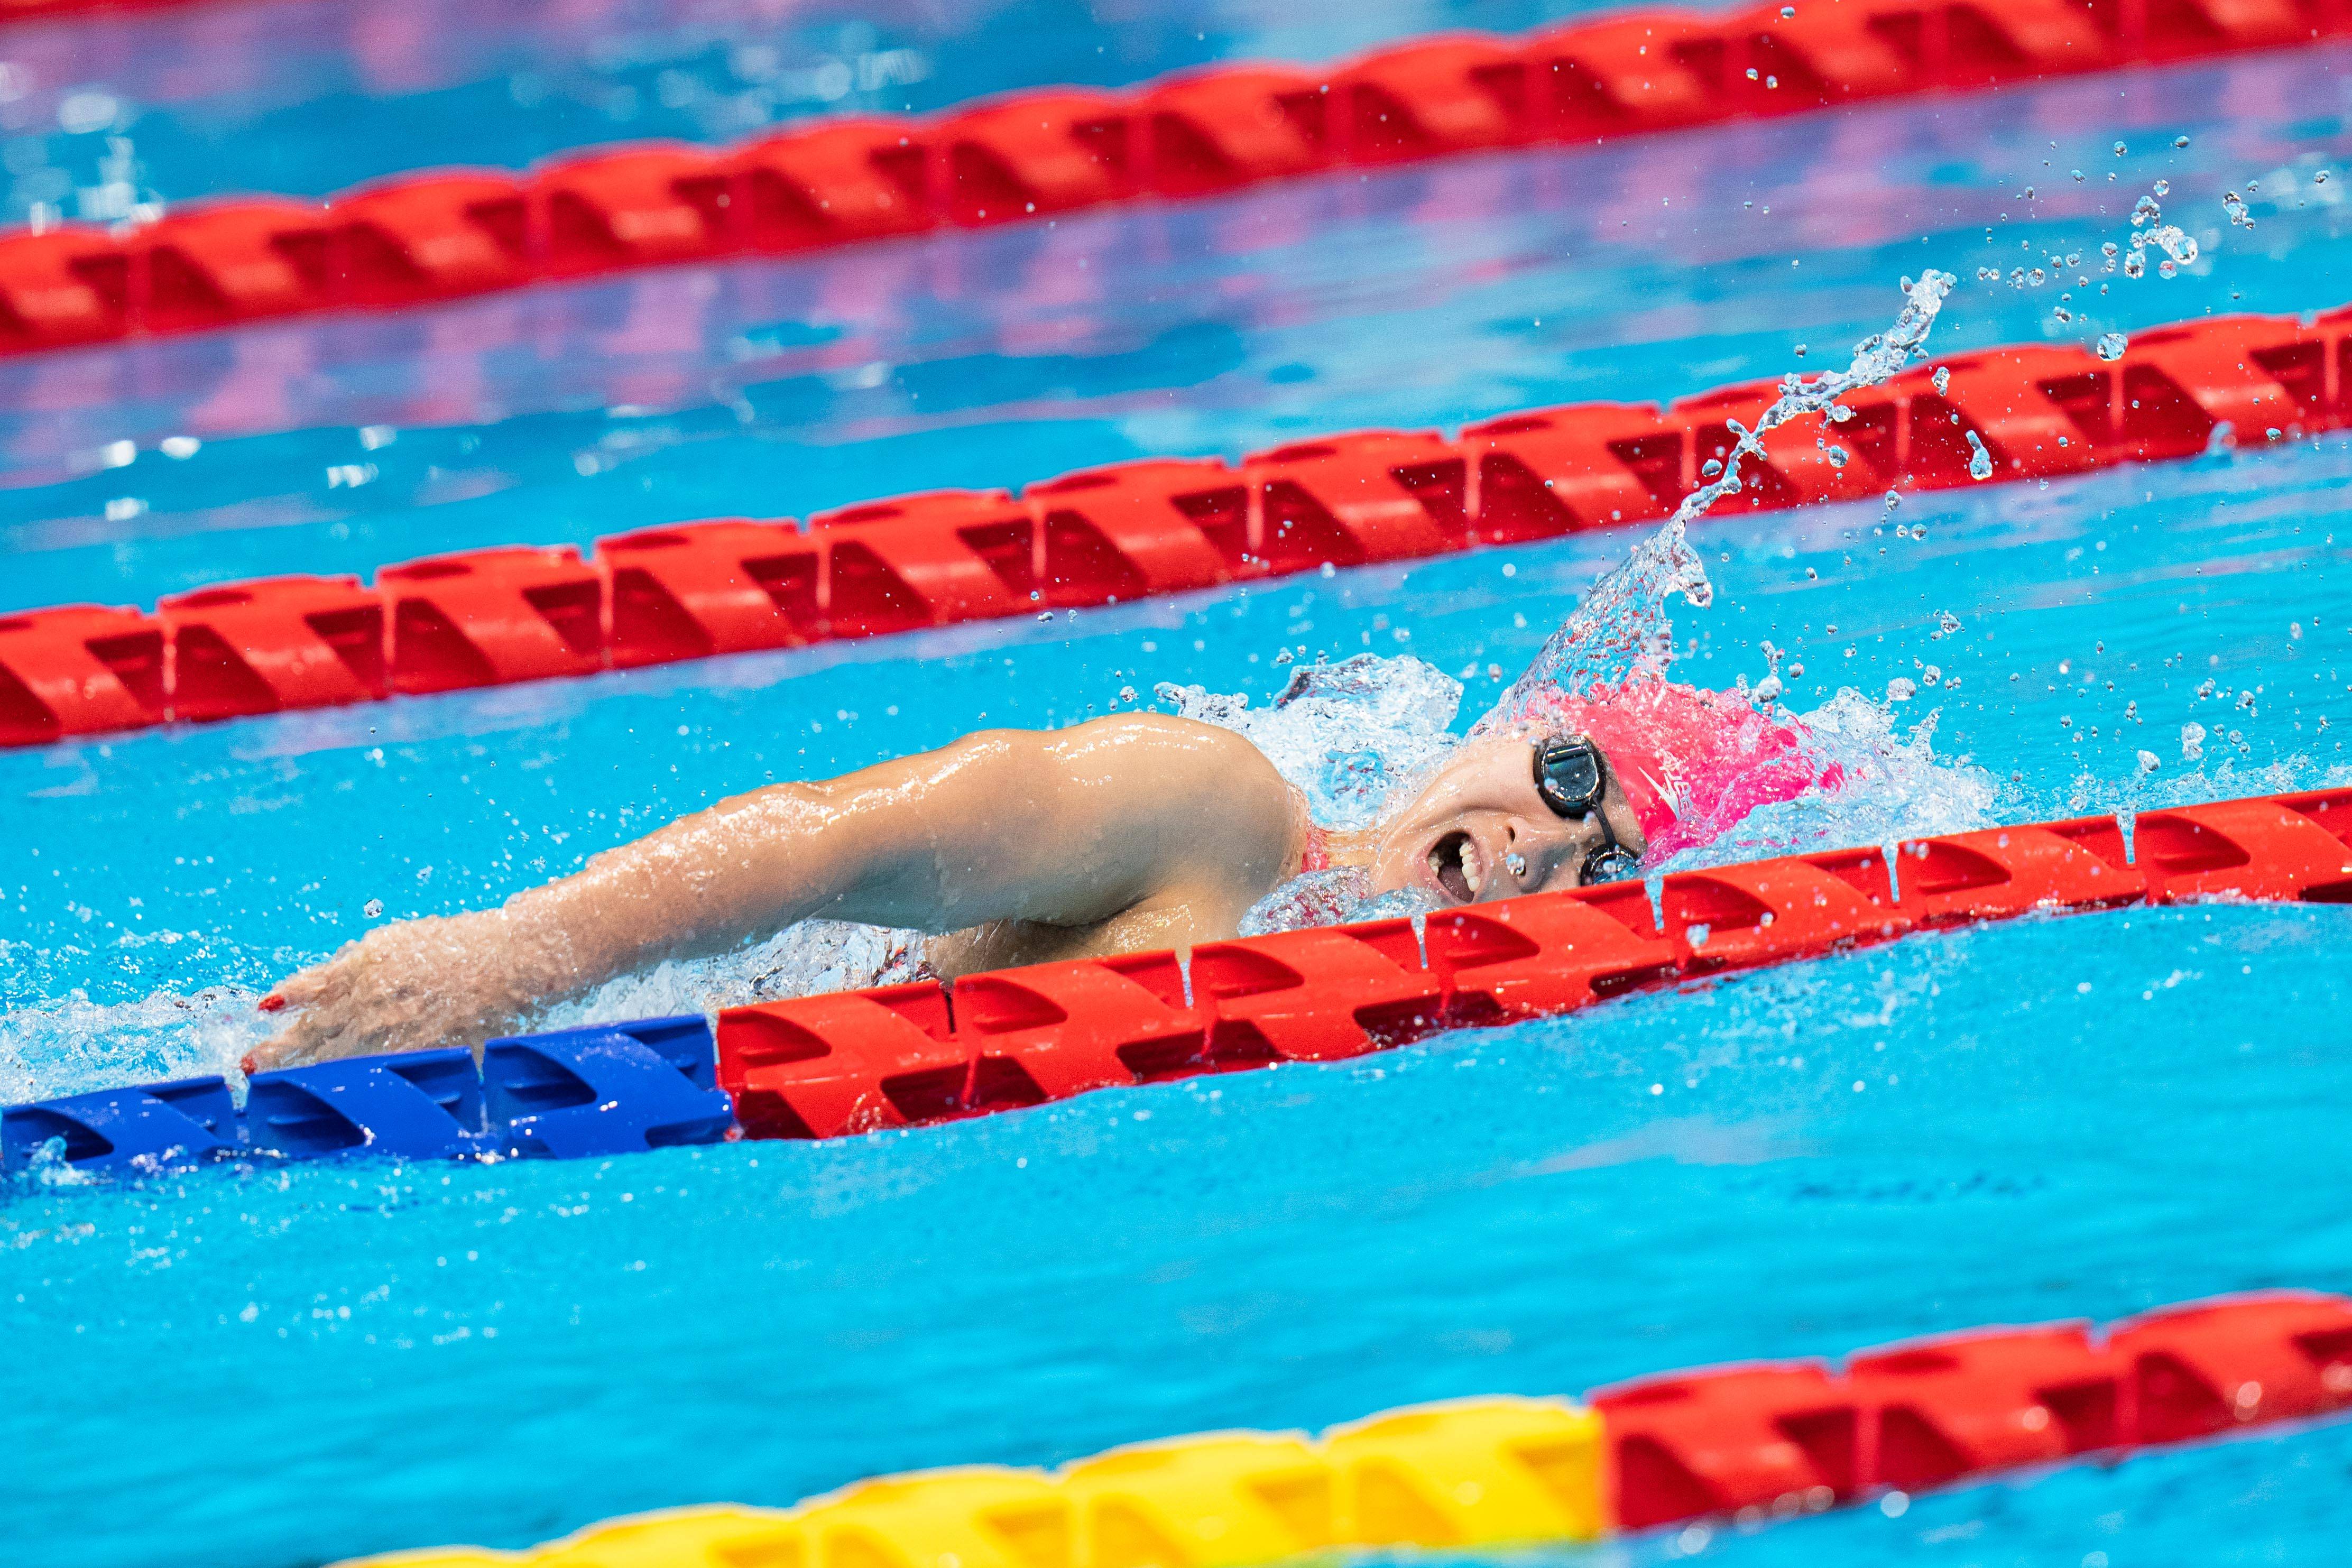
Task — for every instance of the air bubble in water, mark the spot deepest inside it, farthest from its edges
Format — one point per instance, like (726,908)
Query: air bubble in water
(2112,346)
(1837,456)
(2164,187)
(2236,207)
(1980,460)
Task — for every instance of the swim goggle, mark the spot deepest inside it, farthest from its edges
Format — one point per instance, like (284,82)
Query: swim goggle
(1571,775)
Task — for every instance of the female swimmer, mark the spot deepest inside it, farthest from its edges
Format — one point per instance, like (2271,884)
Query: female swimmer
(1130,832)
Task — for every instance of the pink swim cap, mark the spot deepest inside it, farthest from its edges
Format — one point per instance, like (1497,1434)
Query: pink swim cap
(1692,764)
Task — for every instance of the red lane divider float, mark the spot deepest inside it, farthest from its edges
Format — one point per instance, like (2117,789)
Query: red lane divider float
(852,1062)
(1135,530)
(42,10)
(861,1061)
(439,234)
(1785,1437)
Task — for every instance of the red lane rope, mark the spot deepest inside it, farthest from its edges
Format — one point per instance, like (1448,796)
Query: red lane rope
(439,234)
(42,10)
(1135,531)
(1779,1438)
(859,1061)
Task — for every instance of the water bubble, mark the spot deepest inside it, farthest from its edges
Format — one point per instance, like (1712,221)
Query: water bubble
(2319,177)
(1837,456)
(2192,741)
(1796,672)
(2112,345)
(1946,622)
(2119,148)
(1932,675)
(2180,141)
(1980,460)
(1282,656)
(2078,176)
(1900,689)
(1710,469)
(373,908)
(2172,241)
(1892,500)
(2136,265)
(2149,761)
(2295,630)
(2236,207)
(2145,211)
(2163,187)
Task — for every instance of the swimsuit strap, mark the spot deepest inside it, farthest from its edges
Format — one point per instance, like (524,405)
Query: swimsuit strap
(1317,856)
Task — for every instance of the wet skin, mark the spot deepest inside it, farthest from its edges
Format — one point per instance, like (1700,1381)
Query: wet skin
(1122,834)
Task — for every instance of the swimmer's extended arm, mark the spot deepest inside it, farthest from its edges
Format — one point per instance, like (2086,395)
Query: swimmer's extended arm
(1066,827)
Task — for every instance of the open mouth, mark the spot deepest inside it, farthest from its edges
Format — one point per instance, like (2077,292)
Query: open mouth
(1453,861)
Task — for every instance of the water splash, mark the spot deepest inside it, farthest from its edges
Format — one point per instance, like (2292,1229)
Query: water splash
(1345,736)
(1621,628)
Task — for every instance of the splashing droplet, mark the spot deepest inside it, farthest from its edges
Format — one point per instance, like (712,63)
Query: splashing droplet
(372,909)
(1980,460)
(2112,346)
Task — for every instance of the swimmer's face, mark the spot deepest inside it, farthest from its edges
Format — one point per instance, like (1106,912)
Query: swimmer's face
(1481,831)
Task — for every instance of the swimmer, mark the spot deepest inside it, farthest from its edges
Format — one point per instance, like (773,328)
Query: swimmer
(1122,834)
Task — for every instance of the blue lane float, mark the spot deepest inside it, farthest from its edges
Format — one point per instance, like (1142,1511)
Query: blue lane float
(607,1089)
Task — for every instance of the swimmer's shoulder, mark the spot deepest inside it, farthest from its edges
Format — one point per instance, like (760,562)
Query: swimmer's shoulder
(1179,753)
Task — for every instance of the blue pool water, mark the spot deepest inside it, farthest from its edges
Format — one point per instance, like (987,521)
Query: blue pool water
(2083,1117)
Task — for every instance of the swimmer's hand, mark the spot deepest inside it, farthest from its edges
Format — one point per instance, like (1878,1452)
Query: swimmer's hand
(409,986)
